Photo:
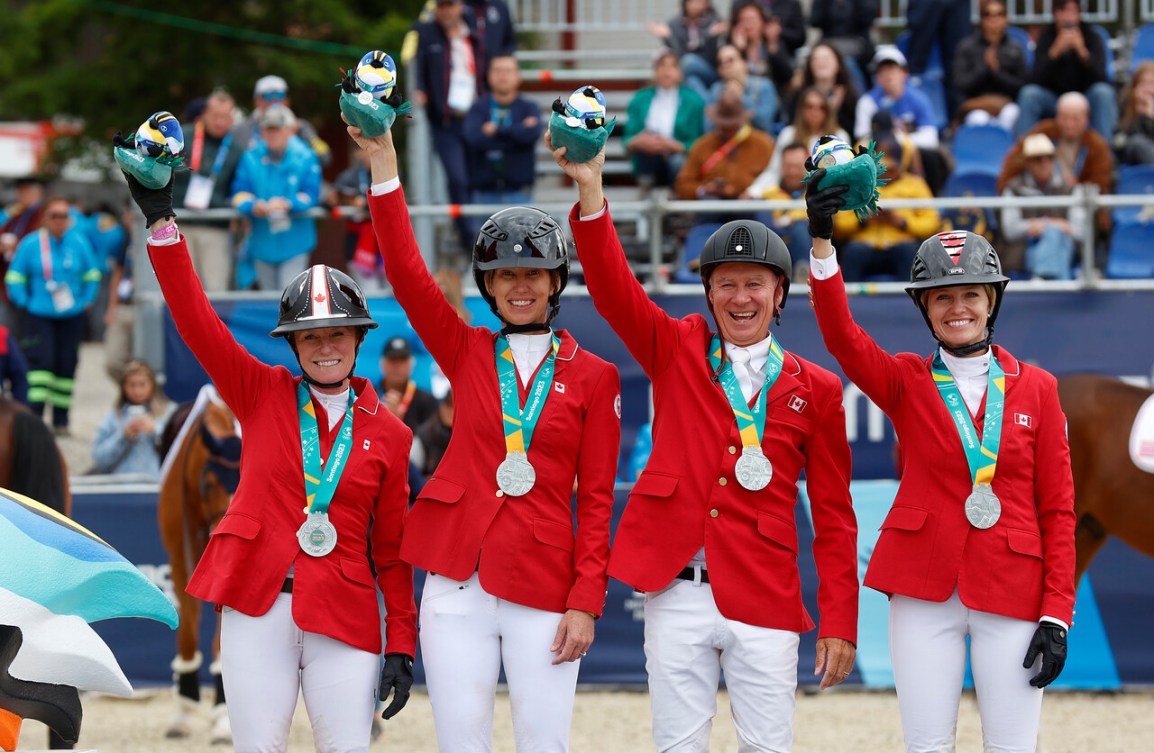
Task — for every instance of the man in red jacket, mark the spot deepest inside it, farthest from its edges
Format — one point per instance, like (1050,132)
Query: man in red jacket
(709,533)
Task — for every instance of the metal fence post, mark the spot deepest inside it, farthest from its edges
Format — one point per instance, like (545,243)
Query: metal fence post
(418,185)
(1089,231)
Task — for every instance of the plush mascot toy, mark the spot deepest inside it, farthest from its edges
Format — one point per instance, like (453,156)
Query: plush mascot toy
(370,99)
(860,171)
(153,152)
(579,124)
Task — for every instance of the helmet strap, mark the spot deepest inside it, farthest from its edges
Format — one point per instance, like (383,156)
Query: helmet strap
(522,329)
(969,350)
(327,385)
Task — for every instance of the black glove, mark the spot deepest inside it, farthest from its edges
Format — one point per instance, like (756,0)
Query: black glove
(156,203)
(822,204)
(1050,641)
(396,675)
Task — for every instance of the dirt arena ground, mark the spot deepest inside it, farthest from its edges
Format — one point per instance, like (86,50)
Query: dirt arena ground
(618,722)
(604,722)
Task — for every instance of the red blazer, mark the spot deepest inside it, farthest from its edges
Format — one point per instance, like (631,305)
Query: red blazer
(524,548)
(1023,566)
(688,497)
(253,546)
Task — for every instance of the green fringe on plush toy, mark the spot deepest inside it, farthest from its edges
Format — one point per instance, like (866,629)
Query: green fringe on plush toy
(583,143)
(863,176)
(152,172)
(372,116)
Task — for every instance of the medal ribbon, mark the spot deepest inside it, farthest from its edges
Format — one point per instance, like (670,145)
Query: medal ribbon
(520,424)
(319,489)
(982,457)
(750,422)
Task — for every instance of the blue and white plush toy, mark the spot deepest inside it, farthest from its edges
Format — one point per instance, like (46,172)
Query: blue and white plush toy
(579,123)
(370,99)
(153,152)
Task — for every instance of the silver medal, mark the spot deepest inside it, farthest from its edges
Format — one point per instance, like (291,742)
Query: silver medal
(515,475)
(983,507)
(753,469)
(316,535)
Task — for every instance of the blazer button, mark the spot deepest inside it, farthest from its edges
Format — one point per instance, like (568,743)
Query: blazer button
(732,450)
(500,493)
(721,481)
(714,513)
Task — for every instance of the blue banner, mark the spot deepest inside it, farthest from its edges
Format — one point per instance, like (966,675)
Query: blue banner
(1062,332)
(1109,644)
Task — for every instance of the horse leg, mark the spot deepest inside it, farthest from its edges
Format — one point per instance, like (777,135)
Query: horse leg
(1089,536)
(186,665)
(221,728)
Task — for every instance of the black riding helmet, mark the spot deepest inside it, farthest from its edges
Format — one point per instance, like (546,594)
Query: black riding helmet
(322,297)
(952,258)
(747,241)
(521,237)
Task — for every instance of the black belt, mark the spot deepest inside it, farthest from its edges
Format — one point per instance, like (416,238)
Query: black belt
(690,573)
(287,586)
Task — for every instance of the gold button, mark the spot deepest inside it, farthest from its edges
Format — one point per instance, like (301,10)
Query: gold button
(722,481)
(714,513)
(732,450)
(500,493)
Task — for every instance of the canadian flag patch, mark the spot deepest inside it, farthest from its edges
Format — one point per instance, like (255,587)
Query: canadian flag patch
(796,403)
(558,387)
(365,446)
(1022,419)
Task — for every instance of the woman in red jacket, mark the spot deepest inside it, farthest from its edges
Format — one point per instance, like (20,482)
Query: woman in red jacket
(980,539)
(288,564)
(509,583)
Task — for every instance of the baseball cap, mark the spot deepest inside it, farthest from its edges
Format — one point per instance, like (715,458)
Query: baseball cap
(397,347)
(278,117)
(269,85)
(888,53)
(1037,145)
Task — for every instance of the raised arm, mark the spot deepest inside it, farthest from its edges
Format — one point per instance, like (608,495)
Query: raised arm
(436,321)
(647,331)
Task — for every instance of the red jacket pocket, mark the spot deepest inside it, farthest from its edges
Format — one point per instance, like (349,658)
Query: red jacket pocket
(1024,542)
(655,485)
(357,571)
(553,534)
(777,530)
(238,525)
(442,490)
(904,519)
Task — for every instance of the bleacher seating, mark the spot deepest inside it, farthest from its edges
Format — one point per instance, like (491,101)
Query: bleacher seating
(1133,179)
(1131,255)
(1143,48)
(980,148)
(971,184)
(694,242)
(1023,38)
(1106,42)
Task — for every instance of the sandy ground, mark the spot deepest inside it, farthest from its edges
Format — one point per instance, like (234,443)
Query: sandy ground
(618,722)
(603,722)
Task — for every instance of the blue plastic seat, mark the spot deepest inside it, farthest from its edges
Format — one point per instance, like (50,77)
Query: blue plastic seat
(933,88)
(1110,70)
(981,148)
(933,65)
(1022,36)
(1131,253)
(691,251)
(1143,46)
(971,184)
(1133,179)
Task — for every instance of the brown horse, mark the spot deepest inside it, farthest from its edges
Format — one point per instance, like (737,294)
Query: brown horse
(1112,496)
(30,461)
(200,475)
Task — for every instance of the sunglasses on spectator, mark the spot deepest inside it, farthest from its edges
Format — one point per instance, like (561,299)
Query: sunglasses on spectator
(274,95)
(56,216)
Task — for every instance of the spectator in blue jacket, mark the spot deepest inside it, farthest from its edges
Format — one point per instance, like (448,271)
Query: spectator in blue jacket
(53,278)
(13,368)
(277,182)
(501,130)
(126,439)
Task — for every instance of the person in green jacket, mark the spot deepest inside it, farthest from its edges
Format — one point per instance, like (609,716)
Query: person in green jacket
(662,122)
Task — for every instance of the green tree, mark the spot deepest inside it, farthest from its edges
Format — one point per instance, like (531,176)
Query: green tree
(110,64)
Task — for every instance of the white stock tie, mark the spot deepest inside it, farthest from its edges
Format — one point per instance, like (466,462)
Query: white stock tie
(743,372)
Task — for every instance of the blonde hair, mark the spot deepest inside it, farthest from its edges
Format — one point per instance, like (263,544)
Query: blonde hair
(157,401)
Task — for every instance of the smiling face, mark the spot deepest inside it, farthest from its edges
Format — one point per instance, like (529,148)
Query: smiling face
(743,297)
(138,387)
(522,293)
(958,315)
(327,354)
